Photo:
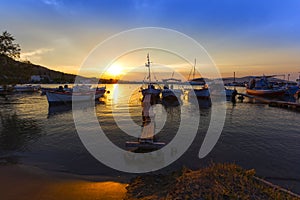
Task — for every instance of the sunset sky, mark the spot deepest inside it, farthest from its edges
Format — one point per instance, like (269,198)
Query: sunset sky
(250,37)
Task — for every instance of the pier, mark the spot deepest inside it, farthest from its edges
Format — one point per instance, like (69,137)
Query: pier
(147,139)
(271,102)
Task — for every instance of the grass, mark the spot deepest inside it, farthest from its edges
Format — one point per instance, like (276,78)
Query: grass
(218,181)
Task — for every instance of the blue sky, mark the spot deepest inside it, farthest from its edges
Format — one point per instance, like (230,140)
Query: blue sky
(247,36)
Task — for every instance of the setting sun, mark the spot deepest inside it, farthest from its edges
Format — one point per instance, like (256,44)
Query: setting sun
(114,70)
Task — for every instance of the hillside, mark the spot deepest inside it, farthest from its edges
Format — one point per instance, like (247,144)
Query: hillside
(14,72)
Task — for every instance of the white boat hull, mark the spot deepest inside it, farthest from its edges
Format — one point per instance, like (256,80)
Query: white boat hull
(54,97)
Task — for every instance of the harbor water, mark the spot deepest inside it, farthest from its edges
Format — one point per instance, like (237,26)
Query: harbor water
(255,136)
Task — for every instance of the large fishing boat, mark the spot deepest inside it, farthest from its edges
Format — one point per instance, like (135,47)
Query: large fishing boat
(150,88)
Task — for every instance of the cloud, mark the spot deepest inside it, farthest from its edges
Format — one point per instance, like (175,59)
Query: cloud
(52,2)
(35,55)
(57,4)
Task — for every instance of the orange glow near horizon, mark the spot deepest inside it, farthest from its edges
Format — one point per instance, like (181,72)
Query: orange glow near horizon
(114,71)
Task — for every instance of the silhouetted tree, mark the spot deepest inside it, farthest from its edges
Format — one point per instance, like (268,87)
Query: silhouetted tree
(8,47)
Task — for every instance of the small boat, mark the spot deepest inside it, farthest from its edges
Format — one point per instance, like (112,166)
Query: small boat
(27,88)
(150,89)
(199,90)
(201,93)
(199,86)
(169,94)
(60,88)
(62,96)
(263,88)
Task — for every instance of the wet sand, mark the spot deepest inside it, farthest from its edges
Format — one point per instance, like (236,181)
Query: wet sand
(23,182)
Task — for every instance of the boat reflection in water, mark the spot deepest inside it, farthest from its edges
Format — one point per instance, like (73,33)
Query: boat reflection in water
(54,109)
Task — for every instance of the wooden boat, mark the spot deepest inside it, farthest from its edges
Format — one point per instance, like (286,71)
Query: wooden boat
(266,92)
(263,88)
(61,96)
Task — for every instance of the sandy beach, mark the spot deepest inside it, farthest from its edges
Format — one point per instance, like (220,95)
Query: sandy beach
(23,182)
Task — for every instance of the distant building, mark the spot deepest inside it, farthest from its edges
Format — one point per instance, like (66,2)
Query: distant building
(35,78)
(40,78)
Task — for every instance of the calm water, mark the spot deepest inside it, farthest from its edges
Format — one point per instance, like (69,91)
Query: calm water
(255,135)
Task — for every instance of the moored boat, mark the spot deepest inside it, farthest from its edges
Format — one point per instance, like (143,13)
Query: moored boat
(150,89)
(62,96)
(199,86)
(26,88)
(266,92)
(169,93)
(199,90)
(264,89)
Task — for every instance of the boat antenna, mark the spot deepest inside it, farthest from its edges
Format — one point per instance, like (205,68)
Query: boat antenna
(148,65)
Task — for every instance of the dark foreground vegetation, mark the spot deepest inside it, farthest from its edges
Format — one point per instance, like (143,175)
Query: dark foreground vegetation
(218,181)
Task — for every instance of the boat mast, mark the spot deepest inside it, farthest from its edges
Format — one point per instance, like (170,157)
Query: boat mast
(194,70)
(148,65)
(234,83)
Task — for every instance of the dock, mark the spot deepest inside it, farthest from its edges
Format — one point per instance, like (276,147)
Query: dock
(147,138)
(271,102)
